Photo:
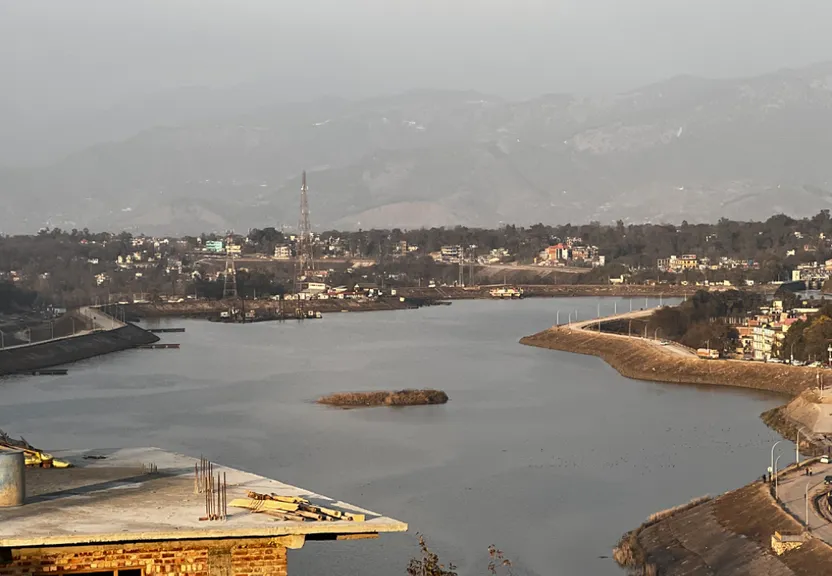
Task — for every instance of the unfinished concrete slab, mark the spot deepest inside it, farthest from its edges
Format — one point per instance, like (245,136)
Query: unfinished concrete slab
(148,494)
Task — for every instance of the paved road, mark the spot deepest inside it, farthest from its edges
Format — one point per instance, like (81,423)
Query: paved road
(101,320)
(792,492)
(592,325)
(495,268)
(676,349)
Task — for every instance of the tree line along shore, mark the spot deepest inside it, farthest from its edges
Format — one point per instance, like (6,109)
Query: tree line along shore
(73,268)
(405,298)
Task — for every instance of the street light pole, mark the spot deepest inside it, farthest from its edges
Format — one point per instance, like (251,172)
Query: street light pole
(806,498)
(557,322)
(771,468)
(777,479)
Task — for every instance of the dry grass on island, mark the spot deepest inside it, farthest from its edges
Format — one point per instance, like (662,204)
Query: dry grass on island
(385,398)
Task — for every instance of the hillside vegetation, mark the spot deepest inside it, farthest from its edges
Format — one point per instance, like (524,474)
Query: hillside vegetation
(684,149)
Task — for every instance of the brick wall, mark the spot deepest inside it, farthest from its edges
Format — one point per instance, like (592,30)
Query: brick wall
(185,558)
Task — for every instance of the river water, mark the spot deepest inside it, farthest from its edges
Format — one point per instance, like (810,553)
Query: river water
(551,456)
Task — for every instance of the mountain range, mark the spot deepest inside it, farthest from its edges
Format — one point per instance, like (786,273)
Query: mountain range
(684,149)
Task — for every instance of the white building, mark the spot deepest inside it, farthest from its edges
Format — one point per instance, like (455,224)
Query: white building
(282,252)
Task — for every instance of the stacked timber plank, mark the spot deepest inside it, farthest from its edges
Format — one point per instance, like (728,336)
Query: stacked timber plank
(32,456)
(293,509)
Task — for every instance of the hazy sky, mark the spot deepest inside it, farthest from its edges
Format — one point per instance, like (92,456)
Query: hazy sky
(66,53)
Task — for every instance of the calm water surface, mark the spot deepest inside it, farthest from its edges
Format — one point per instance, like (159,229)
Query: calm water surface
(551,456)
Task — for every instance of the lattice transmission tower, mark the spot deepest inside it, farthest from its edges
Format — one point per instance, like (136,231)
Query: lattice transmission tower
(229,287)
(306,257)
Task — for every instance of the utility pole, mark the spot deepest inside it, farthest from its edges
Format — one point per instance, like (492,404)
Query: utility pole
(461,266)
(471,262)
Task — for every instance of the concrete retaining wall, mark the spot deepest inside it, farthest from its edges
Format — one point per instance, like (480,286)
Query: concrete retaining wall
(69,350)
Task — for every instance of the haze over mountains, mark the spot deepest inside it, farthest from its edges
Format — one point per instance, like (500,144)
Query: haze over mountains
(687,148)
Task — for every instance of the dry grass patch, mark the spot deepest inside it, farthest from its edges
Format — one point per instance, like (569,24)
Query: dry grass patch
(659,516)
(385,398)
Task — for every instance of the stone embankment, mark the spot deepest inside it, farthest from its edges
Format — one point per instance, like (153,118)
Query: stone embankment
(730,535)
(645,360)
(67,350)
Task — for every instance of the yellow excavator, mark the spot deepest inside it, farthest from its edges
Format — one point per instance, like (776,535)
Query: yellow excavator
(31,455)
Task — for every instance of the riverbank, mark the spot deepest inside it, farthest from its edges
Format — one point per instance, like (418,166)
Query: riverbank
(207,308)
(643,359)
(73,349)
(557,290)
(414,297)
(733,533)
(730,535)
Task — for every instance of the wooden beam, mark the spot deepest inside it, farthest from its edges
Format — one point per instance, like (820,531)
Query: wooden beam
(356,536)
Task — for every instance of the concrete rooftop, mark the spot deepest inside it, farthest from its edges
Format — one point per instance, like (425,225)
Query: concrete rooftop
(114,500)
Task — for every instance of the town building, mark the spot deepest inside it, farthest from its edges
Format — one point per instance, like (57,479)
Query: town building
(763,339)
(215,246)
(559,252)
(451,254)
(143,512)
(496,255)
(283,252)
(678,263)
